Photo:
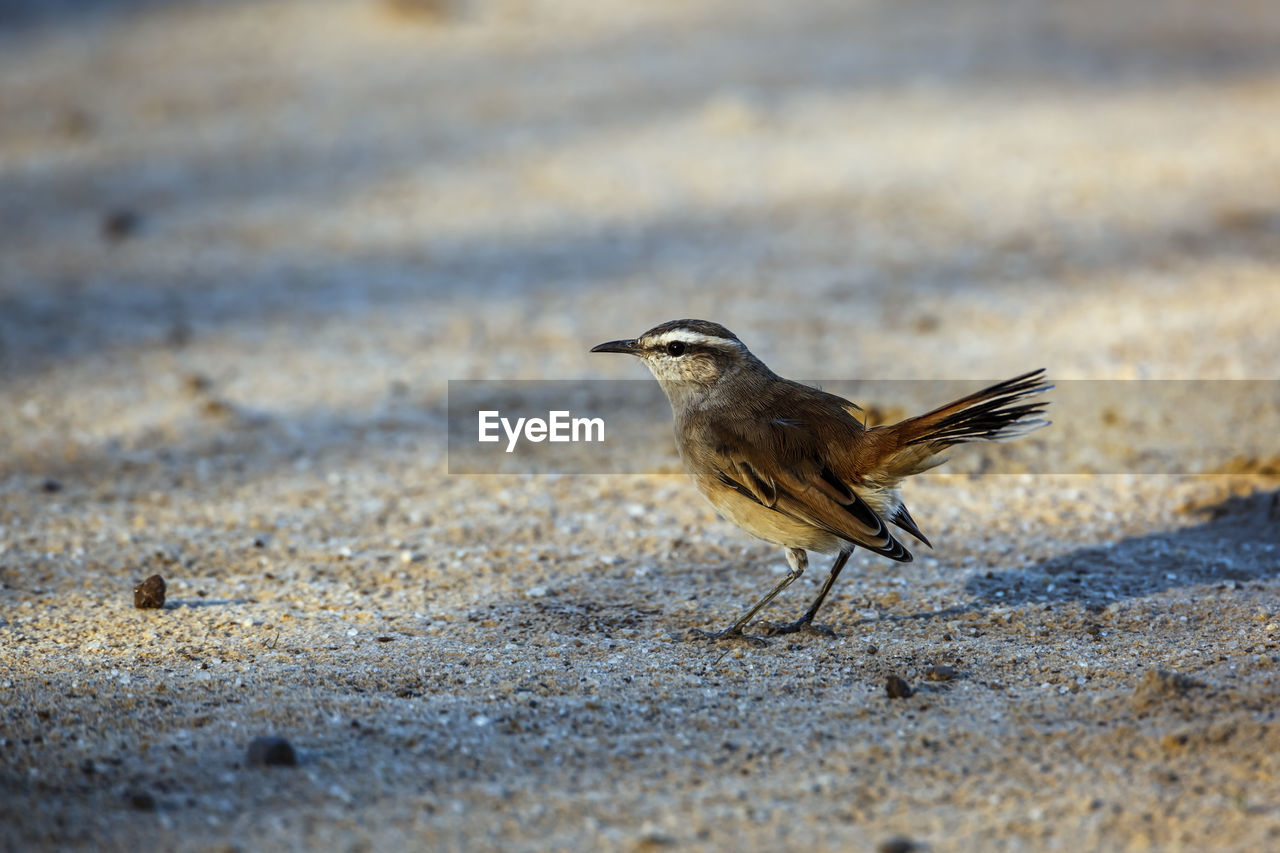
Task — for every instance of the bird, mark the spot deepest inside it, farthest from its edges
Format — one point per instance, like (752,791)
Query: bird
(798,467)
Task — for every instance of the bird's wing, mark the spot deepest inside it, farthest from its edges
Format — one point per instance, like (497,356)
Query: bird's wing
(780,464)
(903,519)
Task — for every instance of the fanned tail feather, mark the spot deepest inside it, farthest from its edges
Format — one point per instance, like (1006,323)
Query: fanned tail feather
(997,413)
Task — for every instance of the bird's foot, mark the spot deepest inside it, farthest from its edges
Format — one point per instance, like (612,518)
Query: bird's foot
(805,626)
(728,635)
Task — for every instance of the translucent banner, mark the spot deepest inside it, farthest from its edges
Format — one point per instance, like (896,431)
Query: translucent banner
(1098,426)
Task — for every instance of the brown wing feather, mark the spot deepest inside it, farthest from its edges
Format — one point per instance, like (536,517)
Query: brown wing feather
(903,519)
(784,463)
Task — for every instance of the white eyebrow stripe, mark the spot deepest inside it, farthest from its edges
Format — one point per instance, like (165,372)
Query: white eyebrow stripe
(688,336)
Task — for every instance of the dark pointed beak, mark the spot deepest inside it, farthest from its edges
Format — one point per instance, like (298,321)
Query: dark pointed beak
(628,347)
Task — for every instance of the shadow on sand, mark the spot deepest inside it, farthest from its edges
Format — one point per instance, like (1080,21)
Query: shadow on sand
(1237,543)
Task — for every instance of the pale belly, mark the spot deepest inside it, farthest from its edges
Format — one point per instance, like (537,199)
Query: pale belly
(768,524)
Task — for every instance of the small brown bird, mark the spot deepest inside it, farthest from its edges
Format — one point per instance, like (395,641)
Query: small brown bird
(794,465)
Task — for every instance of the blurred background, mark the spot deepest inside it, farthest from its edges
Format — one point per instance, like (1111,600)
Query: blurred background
(272,229)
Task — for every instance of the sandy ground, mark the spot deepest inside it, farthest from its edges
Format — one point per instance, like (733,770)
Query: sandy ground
(243,246)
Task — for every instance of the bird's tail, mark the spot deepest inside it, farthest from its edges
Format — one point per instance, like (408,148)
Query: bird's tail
(999,413)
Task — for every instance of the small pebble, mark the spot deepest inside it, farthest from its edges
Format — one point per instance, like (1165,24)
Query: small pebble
(940,673)
(271,751)
(120,224)
(196,384)
(1159,686)
(896,688)
(212,407)
(149,594)
(652,836)
(897,844)
(50,486)
(142,801)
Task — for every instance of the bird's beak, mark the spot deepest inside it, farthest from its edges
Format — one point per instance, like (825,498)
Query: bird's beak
(628,347)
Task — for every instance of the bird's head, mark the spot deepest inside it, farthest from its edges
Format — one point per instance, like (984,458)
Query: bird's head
(688,356)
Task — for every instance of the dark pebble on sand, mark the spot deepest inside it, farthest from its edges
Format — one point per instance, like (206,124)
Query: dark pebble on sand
(120,224)
(142,801)
(149,594)
(1159,686)
(272,751)
(896,688)
(940,673)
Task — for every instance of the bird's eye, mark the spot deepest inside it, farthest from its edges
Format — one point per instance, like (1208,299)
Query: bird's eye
(675,348)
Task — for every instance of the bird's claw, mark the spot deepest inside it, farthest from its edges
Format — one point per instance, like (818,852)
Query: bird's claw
(729,635)
(800,626)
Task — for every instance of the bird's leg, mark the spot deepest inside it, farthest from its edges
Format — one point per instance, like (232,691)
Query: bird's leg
(798,560)
(805,622)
